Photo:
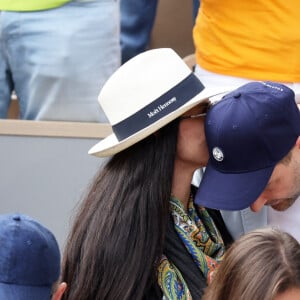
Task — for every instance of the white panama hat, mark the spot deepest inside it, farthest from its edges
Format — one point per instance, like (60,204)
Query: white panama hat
(146,93)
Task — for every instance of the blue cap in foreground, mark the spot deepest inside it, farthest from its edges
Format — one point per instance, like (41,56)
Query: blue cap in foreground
(29,259)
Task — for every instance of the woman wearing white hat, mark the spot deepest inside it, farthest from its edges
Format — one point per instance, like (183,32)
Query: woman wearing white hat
(138,234)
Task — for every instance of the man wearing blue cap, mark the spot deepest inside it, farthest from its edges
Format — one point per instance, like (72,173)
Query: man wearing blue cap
(29,260)
(253,141)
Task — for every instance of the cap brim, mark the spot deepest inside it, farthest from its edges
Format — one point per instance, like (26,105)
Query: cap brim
(111,145)
(13,292)
(229,191)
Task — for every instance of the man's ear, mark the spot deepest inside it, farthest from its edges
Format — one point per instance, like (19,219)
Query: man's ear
(59,291)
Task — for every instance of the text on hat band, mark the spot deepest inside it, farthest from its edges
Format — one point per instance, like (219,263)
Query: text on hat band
(180,94)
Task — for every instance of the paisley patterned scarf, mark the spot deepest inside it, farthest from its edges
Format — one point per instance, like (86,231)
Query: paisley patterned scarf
(201,239)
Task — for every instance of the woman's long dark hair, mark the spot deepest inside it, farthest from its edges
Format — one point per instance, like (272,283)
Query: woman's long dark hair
(118,233)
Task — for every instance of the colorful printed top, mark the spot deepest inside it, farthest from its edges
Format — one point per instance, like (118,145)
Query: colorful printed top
(202,241)
(254,39)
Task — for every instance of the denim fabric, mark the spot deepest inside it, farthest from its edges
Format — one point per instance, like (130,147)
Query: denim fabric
(137,20)
(57,60)
(196,5)
(242,221)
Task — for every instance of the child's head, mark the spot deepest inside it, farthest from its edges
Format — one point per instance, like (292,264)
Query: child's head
(261,265)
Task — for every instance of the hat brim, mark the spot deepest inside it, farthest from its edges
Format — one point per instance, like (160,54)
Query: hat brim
(111,145)
(228,191)
(13,292)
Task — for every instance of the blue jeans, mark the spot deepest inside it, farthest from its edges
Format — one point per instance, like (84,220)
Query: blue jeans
(57,60)
(137,20)
(196,5)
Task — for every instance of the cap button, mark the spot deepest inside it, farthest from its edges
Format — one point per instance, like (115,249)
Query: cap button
(236,94)
(17,218)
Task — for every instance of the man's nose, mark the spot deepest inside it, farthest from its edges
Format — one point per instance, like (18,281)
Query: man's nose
(257,205)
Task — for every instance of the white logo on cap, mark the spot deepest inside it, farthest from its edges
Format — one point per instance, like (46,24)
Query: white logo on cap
(273,86)
(218,154)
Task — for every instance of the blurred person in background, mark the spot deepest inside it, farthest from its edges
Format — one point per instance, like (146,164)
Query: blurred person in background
(56,55)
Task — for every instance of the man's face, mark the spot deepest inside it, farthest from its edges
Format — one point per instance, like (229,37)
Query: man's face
(283,187)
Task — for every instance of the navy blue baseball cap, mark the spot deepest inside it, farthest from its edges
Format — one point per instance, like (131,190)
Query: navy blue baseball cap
(247,132)
(29,259)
